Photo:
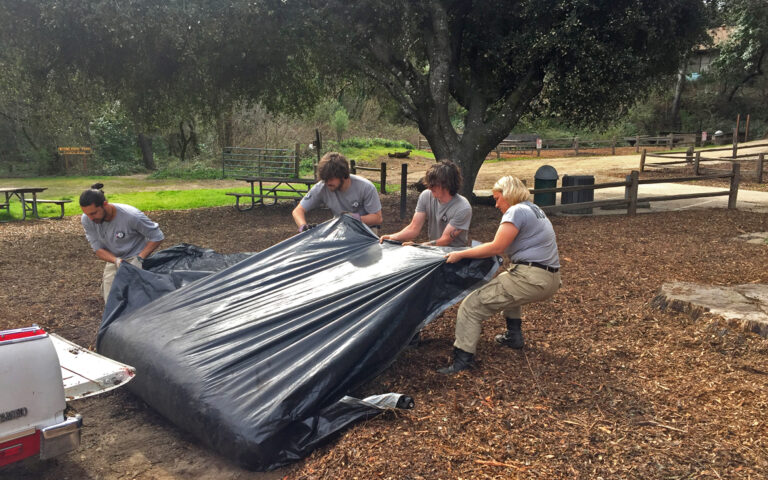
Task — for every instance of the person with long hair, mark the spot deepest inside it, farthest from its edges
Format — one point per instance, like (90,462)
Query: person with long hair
(446,213)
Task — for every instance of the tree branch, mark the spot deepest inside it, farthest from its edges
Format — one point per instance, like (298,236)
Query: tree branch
(758,71)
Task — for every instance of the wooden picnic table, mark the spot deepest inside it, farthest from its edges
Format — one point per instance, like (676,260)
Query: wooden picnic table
(20,192)
(295,188)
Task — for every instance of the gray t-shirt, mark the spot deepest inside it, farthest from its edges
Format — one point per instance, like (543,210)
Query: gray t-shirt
(361,197)
(536,240)
(125,235)
(457,212)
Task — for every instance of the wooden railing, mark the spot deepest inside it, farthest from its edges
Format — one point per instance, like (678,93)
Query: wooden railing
(695,159)
(632,199)
(354,167)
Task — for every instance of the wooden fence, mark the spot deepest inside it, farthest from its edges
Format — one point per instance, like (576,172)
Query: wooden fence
(578,144)
(632,199)
(353,168)
(260,162)
(695,159)
(668,141)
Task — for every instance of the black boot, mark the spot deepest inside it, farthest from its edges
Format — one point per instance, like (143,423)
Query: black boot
(461,361)
(513,337)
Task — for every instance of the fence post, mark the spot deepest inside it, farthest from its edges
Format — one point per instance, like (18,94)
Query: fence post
(735,142)
(383,188)
(696,162)
(671,141)
(634,177)
(613,146)
(637,144)
(352,167)
(746,130)
(689,155)
(760,160)
(576,145)
(642,161)
(403,188)
(296,155)
(734,191)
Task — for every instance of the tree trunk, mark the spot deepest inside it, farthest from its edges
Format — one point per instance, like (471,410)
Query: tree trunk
(224,129)
(674,115)
(147,155)
(468,152)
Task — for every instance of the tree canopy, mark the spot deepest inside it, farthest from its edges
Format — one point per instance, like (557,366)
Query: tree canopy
(495,61)
(499,60)
(743,54)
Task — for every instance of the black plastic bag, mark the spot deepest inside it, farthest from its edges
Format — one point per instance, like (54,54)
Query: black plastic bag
(255,360)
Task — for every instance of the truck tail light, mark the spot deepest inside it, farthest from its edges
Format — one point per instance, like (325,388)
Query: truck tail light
(21,333)
(19,448)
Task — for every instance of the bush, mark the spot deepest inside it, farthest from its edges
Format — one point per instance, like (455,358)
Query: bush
(188,171)
(113,141)
(116,168)
(356,142)
(340,122)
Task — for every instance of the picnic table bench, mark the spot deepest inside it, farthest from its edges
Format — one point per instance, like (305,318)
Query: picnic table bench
(20,193)
(279,189)
(33,203)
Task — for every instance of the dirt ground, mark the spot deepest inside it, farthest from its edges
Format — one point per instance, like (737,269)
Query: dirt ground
(607,386)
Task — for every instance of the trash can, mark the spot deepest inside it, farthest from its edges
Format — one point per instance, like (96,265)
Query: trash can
(545,177)
(578,196)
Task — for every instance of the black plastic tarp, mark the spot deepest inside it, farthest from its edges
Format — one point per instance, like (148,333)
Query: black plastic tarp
(256,359)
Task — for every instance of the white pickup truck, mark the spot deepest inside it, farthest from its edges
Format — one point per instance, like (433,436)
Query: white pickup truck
(39,373)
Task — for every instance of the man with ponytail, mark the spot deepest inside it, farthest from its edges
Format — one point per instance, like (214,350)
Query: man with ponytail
(117,233)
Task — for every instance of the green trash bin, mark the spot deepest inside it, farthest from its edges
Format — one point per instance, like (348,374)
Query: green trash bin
(545,177)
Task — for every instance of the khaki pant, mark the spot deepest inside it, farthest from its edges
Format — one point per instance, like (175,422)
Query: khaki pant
(110,270)
(510,290)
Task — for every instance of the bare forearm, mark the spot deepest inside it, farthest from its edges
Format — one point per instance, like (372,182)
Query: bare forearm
(404,235)
(106,255)
(484,250)
(299,216)
(372,219)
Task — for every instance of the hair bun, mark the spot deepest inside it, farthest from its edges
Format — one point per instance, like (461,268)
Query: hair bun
(97,186)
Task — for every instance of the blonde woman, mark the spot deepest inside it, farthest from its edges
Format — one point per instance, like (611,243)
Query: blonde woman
(526,236)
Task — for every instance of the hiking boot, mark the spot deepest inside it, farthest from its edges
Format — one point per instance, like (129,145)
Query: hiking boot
(513,337)
(461,361)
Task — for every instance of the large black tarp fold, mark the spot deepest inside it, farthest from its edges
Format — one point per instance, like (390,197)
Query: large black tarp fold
(255,359)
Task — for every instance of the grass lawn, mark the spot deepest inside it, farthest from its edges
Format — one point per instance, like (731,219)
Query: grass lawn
(371,154)
(136,190)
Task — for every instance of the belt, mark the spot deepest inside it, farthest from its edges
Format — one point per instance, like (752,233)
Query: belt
(539,265)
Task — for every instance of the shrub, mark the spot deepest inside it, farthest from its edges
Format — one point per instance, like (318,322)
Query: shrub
(187,171)
(356,142)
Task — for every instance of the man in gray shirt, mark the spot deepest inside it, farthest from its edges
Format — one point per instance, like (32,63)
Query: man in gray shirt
(446,213)
(117,233)
(341,193)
